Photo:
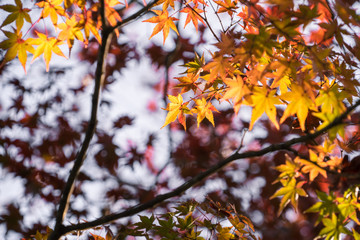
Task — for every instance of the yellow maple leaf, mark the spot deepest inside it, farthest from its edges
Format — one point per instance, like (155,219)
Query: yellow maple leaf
(236,90)
(177,109)
(264,100)
(300,103)
(70,31)
(16,46)
(52,8)
(204,109)
(164,23)
(17,14)
(47,45)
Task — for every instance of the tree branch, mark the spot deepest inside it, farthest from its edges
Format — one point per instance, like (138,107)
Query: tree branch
(198,178)
(80,157)
(136,15)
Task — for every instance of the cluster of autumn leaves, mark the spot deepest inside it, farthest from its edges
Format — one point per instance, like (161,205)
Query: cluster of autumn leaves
(264,60)
(272,65)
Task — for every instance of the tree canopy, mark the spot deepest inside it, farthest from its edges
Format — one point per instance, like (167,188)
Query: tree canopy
(261,135)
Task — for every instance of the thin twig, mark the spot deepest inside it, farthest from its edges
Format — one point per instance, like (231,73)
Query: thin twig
(134,16)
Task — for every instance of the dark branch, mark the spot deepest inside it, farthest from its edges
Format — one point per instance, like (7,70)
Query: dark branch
(198,178)
(80,157)
(135,16)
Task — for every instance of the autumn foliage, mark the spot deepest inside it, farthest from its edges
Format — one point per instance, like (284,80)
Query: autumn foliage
(261,130)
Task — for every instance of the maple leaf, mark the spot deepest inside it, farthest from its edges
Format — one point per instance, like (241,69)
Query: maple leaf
(220,65)
(177,109)
(188,82)
(193,14)
(281,75)
(46,46)
(52,8)
(348,206)
(314,167)
(196,65)
(196,2)
(264,100)
(16,46)
(166,4)
(236,90)
(330,99)
(17,14)
(70,31)
(110,13)
(204,109)
(288,170)
(86,22)
(164,23)
(226,6)
(333,228)
(290,192)
(327,118)
(300,103)
(325,207)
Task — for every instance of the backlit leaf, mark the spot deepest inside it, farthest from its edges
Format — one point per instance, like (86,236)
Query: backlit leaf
(264,100)
(17,14)
(177,109)
(164,23)
(47,45)
(16,46)
(300,103)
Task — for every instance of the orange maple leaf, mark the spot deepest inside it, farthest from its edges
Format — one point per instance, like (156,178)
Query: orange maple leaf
(314,166)
(17,14)
(164,23)
(196,2)
(46,46)
(236,90)
(52,8)
(226,6)
(193,14)
(166,4)
(188,82)
(70,31)
(219,66)
(15,45)
(87,23)
(110,13)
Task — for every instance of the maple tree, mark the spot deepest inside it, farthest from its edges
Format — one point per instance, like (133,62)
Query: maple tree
(263,128)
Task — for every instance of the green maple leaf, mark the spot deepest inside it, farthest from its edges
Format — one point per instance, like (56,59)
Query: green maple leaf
(349,205)
(17,14)
(333,228)
(325,207)
(290,193)
(328,118)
